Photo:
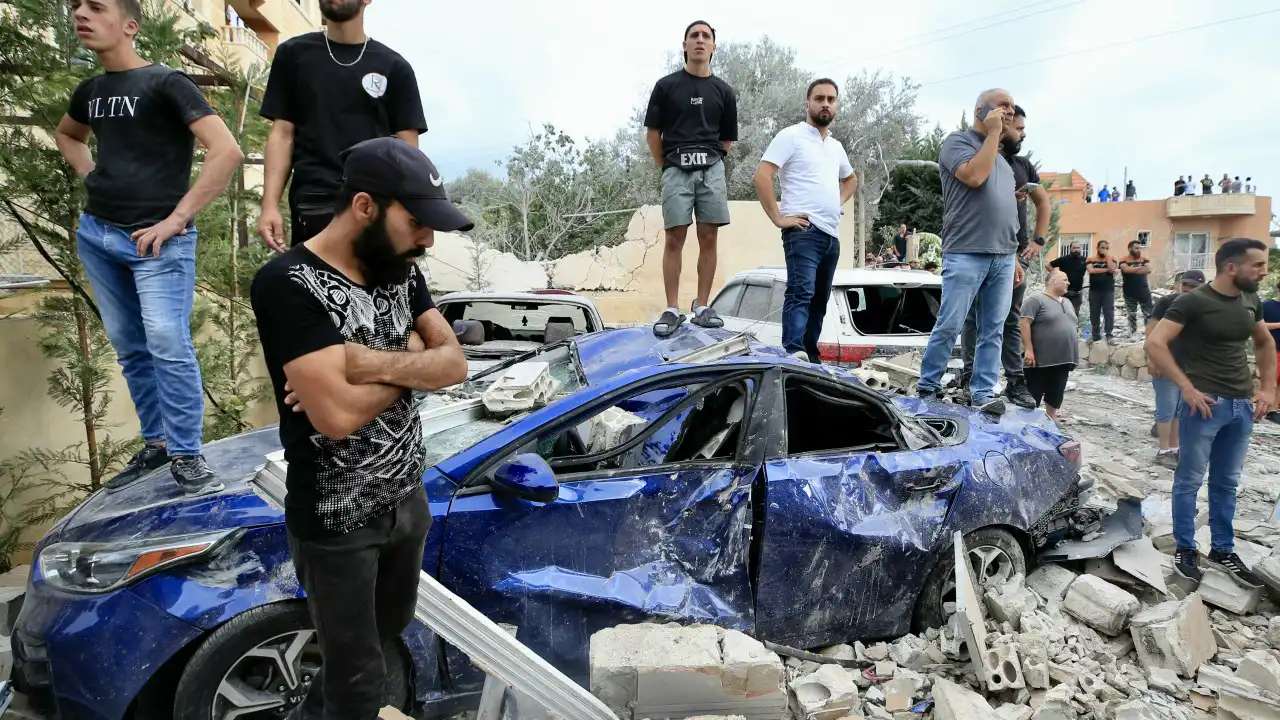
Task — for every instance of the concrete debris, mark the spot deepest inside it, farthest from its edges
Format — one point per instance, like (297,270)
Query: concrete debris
(1011,711)
(828,694)
(1003,670)
(1165,681)
(1174,635)
(953,702)
(1051,582)
(1056,705)
(1008,602)
(907,651)
(899,694)
(1273,632)
(877,652)
(610,429)
(521,387)
(1099,604)
(1034,650)
(1260,668)
(1220,590)
(1140,559)
(1136,710)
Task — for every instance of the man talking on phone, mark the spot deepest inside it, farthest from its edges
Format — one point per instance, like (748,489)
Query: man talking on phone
(979,242)
(1028,184)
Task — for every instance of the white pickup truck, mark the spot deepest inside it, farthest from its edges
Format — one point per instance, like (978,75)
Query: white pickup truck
(517,322)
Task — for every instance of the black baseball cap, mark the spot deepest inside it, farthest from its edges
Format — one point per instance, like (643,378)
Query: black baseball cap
(390,167)
(1191,277)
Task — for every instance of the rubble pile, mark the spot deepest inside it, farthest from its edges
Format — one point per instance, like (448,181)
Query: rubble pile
(1111,639)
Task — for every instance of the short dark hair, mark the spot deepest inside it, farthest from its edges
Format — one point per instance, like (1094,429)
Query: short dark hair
(1018,111)
(346,194)
(132,9)
(1134,242)
(821,81)
(1233,250)
(696,23)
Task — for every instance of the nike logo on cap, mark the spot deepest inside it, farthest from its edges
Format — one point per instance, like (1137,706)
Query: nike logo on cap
(435,180)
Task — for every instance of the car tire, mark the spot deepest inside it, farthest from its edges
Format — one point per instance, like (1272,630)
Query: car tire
(929,610)
(198,686)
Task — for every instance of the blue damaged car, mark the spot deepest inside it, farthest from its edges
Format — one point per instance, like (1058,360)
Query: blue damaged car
(669,480)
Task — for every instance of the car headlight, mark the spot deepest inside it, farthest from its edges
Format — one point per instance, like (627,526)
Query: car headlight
(101,567)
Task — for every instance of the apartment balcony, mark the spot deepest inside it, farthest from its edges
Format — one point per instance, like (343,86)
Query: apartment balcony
(244,45)
(1228,204)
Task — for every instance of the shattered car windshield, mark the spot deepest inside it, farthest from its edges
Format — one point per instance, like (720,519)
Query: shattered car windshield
(561,359)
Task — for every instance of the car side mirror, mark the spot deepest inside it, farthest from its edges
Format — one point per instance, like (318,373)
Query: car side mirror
(528,477)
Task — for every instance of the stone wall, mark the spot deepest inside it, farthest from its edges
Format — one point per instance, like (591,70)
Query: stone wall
(1129,361)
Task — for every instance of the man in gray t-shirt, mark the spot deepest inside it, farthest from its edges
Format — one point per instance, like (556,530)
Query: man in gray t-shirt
(979,239)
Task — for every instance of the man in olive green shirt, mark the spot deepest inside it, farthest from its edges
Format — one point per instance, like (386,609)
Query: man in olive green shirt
(1213,323)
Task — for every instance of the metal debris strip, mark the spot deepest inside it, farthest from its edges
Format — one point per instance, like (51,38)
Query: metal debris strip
(736,345)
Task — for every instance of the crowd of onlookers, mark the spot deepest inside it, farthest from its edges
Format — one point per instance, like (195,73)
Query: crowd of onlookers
(1184,185)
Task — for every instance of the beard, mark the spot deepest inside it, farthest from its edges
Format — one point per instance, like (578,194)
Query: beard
(1250,286)
(381,264)
(340,11)
(822,119)
(1010,147)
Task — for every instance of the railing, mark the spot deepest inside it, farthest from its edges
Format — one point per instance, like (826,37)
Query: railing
(1209,205)
(243,36)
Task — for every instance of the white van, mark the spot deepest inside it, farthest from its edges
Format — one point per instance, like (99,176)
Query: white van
(872,312)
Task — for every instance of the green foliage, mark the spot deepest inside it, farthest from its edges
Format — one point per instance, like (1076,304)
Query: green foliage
(914,195)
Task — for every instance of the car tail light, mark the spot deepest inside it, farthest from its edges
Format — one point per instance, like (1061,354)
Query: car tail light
(847,355)
(551,291)
(1072,452)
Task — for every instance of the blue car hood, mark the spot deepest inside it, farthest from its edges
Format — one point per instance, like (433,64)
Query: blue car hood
(154,506)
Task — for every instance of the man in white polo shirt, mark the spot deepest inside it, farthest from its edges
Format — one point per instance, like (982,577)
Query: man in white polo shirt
(816,180)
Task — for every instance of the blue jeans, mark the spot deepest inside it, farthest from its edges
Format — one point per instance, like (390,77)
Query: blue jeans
(1217,444)
(146,309)
(812,256)
(983,281)
(1168,398)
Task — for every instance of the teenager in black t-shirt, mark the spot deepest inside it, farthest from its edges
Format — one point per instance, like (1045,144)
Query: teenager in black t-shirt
(692,121)
(327,91)
(1074,265)
(1102,291)
(348,329)
(1134,270)
(137,236)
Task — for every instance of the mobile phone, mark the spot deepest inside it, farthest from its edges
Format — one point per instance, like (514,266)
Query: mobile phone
(982,113)
(1028,187)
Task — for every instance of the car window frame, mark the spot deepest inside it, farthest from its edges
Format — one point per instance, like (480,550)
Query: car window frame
(767,285)
(477,481)
(735,285)
(849,389)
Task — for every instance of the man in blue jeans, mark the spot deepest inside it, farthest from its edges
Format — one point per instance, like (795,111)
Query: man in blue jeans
(816,179)
(1213,323)
(1166,392)
(137,238)
(979,240)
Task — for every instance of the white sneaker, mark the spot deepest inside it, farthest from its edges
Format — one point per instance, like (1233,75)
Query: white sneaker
(800,355)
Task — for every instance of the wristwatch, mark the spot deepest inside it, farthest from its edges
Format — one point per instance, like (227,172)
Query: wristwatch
(1040,240)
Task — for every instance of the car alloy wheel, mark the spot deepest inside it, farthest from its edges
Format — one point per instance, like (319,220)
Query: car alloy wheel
(269,680)
(989,566)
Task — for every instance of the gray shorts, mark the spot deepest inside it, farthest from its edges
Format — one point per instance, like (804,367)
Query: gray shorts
(686,192)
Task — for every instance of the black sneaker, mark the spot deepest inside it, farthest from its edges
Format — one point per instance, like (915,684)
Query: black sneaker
(995,406)
(928,394)
(1230,562)
(667,324)
(1274,417)
(1017,392)
(1187,564)
(194,475)
(708,318)
(147,459)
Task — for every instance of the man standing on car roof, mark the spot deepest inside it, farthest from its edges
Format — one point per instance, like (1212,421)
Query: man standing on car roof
(816,180)
(348,329)
(1215,420)
(327,91)
(692,121)
(979,243)
(1024,173)
(137,235)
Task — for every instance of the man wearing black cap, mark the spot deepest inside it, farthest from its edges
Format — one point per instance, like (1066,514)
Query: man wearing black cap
(348,328)
(692,121)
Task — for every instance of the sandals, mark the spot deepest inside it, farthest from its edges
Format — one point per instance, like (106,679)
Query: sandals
(667,324)
(708,318)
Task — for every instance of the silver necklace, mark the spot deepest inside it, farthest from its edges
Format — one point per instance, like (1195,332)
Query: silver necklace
(330,49)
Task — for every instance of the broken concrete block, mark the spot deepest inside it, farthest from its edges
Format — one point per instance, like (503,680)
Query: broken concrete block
(1136,710)
(748,666)
(839,652)
(6,658)
(521,387)
(1004,672)
(971,622)
(1220,590)
(1175,636)
(877,652)
(1099,604)
(1140,559)
(1268,571)
(1260,668)
(1273,632)
(1051,581)
(1056,705)
(620,655)
(1246,706)
(827,694)
(954,702)
(1034,651)
(612,428)
(1165,681)
(886,668)
(899,694)
(1008,602)
(907,650)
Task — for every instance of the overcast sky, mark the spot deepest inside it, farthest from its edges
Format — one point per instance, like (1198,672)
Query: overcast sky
(1203,100)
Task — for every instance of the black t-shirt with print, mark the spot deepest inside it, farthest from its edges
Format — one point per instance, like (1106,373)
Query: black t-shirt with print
(694,114)
(1074,267)
(303,304)
(333,107)
(1206,186)
(142,120)
(1135,285)
(1215,330)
